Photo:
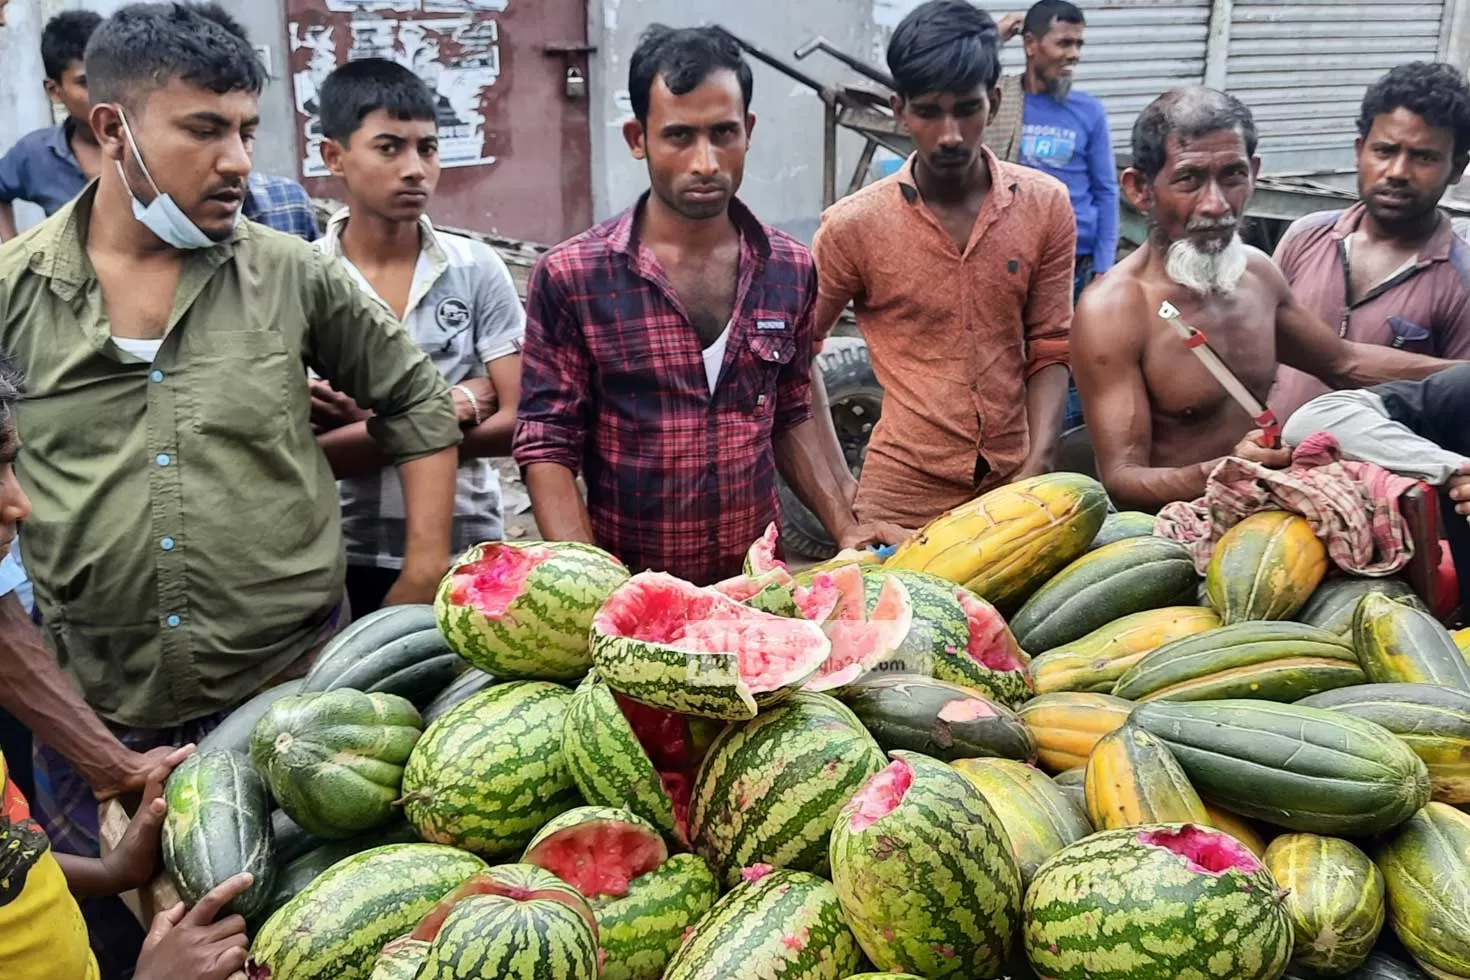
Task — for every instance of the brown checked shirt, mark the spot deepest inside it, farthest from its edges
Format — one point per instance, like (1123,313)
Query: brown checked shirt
(953,336)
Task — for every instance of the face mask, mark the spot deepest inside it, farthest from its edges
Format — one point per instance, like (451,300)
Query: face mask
(162,216)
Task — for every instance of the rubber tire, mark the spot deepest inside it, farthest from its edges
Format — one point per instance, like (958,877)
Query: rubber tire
(847,372)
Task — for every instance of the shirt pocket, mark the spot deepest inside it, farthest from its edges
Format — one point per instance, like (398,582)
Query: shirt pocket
(1410,336)
(769,355)
(238,385)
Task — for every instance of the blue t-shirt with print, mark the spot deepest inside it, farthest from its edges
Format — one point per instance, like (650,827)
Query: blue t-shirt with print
(1070,141)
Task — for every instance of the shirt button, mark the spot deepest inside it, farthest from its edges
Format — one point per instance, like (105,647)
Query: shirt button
(156,377)
(162,459)
(167,544)
(173,621)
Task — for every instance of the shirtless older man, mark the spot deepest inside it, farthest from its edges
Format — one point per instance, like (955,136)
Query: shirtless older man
(1158,420)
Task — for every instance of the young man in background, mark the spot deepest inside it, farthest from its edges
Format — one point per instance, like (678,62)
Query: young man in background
(453,295)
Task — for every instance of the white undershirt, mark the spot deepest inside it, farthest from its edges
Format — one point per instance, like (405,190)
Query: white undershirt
(714,358)
(143,350)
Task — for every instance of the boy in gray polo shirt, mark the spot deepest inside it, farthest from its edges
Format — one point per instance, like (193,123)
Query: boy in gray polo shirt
(454,295)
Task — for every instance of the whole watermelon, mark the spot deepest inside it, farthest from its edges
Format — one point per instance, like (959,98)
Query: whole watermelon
(640,931)
(1178,900)
(334,761)
(490,773)
(769,790)
(521,611)
(776,925)
(513,922)
(925,873)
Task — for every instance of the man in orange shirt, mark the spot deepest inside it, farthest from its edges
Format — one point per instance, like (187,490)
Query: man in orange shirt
(960,268)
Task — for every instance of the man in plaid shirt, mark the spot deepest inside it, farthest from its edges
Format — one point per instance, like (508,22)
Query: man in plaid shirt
(669,350)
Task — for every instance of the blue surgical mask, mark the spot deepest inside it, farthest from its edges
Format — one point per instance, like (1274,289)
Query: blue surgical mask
(162,216)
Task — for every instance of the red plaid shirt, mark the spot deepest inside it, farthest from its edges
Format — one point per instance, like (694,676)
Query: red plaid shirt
(613,386)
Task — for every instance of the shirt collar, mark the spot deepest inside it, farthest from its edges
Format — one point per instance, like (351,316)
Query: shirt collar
(59,251)
(429,243)
(59,142)
(1000,181)
(622,236)
(1437,249)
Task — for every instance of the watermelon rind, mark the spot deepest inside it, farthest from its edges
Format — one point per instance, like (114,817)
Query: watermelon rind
(783,925)
(542,633)
(931,885)
(490,773)
(769,790)
(692,681)
(1164,919)
(496,936)
(335,927)
(606,760)
(641,931)
(401,959)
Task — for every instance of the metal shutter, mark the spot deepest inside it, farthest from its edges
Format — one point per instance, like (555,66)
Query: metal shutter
(1302,68)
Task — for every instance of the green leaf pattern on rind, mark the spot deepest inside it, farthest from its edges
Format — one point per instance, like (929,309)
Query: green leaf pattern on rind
(769,790)
(785,926)
(490,773)
(931,887)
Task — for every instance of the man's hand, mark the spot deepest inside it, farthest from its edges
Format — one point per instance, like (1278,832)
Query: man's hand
(1459,487)
(859,536)
(130,774)
(330,408)
(191,944)
(484,392)
(1252,449)
(414,587)
(132,863)
(1010,26)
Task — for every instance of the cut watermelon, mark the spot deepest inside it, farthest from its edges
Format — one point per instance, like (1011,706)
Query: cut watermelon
(1205,851)
(761,557)
(496,580)
(770,591)
(513,881)
(862,641)
(669,644)
(992,662)
(881,795)
(597,850)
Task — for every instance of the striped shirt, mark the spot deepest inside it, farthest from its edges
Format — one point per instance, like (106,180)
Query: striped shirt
(463,311)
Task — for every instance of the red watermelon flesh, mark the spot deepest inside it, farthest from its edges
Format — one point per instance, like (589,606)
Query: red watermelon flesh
(991,642)
(880,795)
(761,557)
(670,746)
(600,858)
(1205,851)
(485,883)
(497,579)
(861,640)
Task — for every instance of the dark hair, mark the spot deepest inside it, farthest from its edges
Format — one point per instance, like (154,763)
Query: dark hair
(222,17)
(12,389)
(1186,113)
(64,40)
(1435,91)
(359,88)
(1044,12)
(944,46)
(685,58)
(144,45)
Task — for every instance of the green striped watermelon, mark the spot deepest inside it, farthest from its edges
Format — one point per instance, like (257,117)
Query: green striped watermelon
(925,872)
(1159,902)
(522,610)
(513,922)
(490,773)
(334,929)
(640,931)
(776,925)
(597,850)
(401,959)
(769,790)
(669,644)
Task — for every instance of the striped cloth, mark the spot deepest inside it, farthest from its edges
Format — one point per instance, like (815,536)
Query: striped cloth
(1353,507)
(1003,135)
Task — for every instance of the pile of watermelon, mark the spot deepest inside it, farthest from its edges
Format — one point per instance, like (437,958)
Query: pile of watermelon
(1036,742)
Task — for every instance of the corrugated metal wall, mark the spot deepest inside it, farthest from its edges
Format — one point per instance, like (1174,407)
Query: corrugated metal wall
(1136,50)
(1302,67)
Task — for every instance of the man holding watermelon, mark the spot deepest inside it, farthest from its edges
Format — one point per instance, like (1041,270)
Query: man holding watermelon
(1159,421)
(668,350)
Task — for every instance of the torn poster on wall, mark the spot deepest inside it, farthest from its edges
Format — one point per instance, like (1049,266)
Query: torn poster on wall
(459,57)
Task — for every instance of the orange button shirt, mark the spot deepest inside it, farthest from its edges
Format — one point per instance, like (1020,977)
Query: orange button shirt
(953,336)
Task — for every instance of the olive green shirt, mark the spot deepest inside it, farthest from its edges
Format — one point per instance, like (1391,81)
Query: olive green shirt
(185,540)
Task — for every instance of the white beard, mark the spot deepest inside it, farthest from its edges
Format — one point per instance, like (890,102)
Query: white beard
(1207,272)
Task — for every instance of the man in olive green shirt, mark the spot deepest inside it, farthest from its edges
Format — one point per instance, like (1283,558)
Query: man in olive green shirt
(185,538)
